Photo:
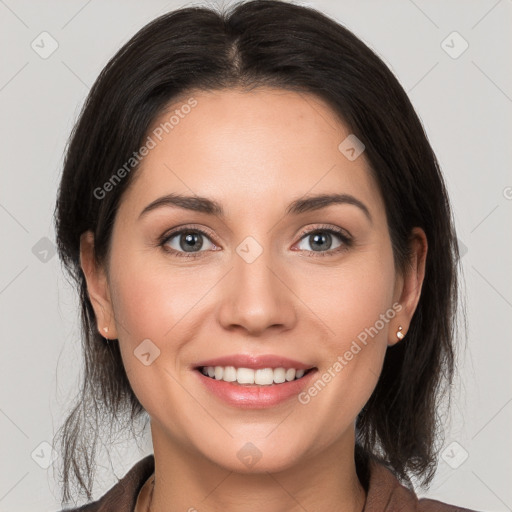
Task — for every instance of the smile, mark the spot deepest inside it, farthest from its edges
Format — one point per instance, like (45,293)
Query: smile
(249,376)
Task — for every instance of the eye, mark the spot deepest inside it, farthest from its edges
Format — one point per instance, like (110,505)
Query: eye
(186,242)
(321,241)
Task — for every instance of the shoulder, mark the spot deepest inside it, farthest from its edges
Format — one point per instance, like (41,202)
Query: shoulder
(123,495)
(386,493)
(427,505)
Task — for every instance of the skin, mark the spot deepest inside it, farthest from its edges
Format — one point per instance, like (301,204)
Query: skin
(253,152)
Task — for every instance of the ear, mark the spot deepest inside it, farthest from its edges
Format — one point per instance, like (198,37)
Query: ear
(408,287)
(97,287)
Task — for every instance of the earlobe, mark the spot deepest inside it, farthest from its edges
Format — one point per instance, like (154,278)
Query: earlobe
(399,335)
(97,287)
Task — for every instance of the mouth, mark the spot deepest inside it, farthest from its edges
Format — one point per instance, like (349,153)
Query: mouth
(254,377)
(254,381)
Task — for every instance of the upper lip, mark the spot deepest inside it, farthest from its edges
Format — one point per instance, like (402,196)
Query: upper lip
(255,362)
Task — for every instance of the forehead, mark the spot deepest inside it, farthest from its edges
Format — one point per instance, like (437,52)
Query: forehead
(250,149)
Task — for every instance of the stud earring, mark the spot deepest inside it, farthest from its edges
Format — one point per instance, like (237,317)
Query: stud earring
(400,334)
(105,329)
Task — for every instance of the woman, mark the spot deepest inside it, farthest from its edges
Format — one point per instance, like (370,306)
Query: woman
(267,264)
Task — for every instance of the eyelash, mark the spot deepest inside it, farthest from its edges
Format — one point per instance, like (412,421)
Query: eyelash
(347,241)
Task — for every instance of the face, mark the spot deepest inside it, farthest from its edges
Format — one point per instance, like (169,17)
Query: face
(267,283)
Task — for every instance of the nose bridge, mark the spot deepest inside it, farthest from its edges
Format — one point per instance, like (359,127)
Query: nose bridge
(256,297)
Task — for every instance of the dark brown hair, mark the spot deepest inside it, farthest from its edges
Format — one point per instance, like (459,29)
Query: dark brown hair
(266,43)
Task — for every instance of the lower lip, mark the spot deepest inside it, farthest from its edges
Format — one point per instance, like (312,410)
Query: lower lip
(255,397)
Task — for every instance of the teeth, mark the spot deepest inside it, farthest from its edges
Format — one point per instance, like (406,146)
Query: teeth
(229,374)
(264,377)
(290,374)
(279,375)
(245,376)
(248,376)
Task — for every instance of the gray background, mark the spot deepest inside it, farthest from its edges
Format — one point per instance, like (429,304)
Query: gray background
(464,101)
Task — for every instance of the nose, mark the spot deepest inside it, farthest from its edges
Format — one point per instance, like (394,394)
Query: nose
(257,297)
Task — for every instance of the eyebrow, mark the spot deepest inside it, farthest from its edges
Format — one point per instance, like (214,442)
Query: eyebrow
(211,207)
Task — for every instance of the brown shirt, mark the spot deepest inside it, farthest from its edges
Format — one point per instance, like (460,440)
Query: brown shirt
(384,492)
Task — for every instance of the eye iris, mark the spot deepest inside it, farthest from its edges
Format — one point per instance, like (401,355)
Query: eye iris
(320,239)
(191,240)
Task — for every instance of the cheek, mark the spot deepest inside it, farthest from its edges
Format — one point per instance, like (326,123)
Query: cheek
(150,299)
(357,306)
(353,297)
(155,302)
(151,303)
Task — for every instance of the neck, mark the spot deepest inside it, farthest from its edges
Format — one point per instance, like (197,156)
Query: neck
(186,481)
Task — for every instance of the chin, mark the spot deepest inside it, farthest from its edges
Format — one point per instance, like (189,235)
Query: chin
(258,456)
